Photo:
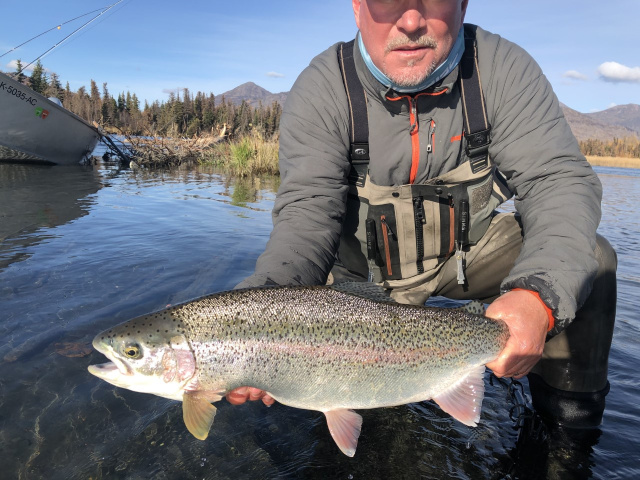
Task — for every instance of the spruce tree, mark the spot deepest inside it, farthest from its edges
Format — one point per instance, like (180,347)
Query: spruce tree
(38,79)
(20,77)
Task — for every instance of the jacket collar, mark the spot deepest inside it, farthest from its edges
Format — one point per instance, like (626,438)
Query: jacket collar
(381,93)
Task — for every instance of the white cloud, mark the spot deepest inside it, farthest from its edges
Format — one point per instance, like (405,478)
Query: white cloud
(275,74)
(616,72)
(574,74)
(13,65)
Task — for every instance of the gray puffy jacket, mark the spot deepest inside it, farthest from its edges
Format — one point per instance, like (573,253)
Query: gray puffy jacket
(556,191)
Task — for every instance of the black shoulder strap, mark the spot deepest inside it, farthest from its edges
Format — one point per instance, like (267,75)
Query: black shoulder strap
(477,130)
(357,105)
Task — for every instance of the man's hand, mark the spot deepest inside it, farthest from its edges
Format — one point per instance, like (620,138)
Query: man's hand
(528,322)
(242,394)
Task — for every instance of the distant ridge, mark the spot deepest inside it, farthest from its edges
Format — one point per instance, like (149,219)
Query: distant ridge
(615,122)
(254,95)
(621,115)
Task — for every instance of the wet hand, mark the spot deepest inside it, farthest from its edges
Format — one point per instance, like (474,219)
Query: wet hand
(242,394)
(528,322)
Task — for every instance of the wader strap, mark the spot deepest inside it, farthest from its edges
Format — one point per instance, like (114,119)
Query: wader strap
(477,131)
(357,105)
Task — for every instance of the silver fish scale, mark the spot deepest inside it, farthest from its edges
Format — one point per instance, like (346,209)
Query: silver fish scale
(319,348)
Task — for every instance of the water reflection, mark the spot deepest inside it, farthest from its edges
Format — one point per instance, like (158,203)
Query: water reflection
(34,197)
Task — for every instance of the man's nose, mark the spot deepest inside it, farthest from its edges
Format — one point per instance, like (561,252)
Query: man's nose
(413,18)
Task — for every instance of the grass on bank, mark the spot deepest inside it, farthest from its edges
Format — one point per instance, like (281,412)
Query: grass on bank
(251,154)
(622,162)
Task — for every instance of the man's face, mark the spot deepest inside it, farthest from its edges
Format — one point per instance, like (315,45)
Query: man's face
(408,39)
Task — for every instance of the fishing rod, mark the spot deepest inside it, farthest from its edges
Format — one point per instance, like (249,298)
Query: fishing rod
(58,26)
(102,11)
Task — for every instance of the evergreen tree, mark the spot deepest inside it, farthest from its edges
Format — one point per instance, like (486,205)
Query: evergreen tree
(67,98)
(38,78)
(54,88)
(95,102)
(20,77)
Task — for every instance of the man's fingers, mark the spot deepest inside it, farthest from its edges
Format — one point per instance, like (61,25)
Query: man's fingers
(255,393)
(242,394)
(238,396)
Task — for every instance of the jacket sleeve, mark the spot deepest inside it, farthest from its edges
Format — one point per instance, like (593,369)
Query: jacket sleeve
(310,204)
(556,191)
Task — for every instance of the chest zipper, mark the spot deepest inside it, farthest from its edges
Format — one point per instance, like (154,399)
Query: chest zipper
(414,129)
(432,137)
(419,220)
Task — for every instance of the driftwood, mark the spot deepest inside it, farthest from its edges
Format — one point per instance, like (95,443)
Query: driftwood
(152,151)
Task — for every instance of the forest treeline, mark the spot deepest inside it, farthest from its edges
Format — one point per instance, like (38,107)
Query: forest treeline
(185,114)
(618,147)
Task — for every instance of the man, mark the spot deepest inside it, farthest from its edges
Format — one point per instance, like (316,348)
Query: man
(538,267)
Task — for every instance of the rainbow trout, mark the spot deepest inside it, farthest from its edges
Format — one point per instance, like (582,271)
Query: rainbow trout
(327,348)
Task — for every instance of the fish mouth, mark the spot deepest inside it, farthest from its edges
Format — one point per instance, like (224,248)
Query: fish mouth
(105,370)
(111,370)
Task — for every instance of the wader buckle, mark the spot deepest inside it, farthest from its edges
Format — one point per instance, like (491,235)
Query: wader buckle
(478,142)
(359,151)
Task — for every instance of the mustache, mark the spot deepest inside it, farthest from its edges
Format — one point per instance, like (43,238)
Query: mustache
(426,41)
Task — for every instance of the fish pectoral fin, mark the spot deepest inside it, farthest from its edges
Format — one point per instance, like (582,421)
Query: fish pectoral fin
(344,426)
(463,400)
(198,413)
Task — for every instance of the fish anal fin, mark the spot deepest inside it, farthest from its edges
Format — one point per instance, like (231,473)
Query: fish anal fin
(344,426)
(198,413)
(463,401)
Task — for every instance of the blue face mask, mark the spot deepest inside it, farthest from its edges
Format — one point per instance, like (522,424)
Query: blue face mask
(444,69)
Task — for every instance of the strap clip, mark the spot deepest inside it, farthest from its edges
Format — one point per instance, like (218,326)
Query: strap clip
(478,142)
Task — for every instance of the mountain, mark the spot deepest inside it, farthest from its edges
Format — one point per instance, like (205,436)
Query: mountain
(621,115)
(253,94)
(615,122)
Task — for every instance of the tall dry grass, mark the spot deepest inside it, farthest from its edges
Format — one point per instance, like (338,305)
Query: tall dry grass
(251,154)
(622,162)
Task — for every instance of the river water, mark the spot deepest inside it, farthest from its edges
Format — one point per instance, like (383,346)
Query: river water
(84,248)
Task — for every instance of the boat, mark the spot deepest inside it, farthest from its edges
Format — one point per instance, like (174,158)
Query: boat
(35,129)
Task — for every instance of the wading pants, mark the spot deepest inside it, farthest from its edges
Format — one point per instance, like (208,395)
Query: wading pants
(569,384)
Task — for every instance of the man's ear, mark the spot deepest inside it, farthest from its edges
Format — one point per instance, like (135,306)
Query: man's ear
(356,11)
(463,7)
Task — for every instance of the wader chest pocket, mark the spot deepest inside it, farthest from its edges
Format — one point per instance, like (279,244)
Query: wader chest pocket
(388,258)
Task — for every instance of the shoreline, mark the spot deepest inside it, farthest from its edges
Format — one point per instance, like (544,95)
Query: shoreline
(620,162)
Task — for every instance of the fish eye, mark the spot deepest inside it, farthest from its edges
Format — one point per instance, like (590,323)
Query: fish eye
(132,351)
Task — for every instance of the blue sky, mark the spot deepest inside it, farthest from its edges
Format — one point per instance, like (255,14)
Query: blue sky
(590,51)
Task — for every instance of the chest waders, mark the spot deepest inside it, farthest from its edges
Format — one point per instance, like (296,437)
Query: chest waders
(393,233)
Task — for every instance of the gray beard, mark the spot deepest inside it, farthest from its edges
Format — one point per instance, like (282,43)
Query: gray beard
(410,79)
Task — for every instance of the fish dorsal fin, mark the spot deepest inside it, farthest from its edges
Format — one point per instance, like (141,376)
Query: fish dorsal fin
(463,400)
(474,306)
(371,291)
(198,413)
(344,426)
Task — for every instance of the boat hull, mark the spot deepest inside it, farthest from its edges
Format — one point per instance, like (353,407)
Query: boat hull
(35,129)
